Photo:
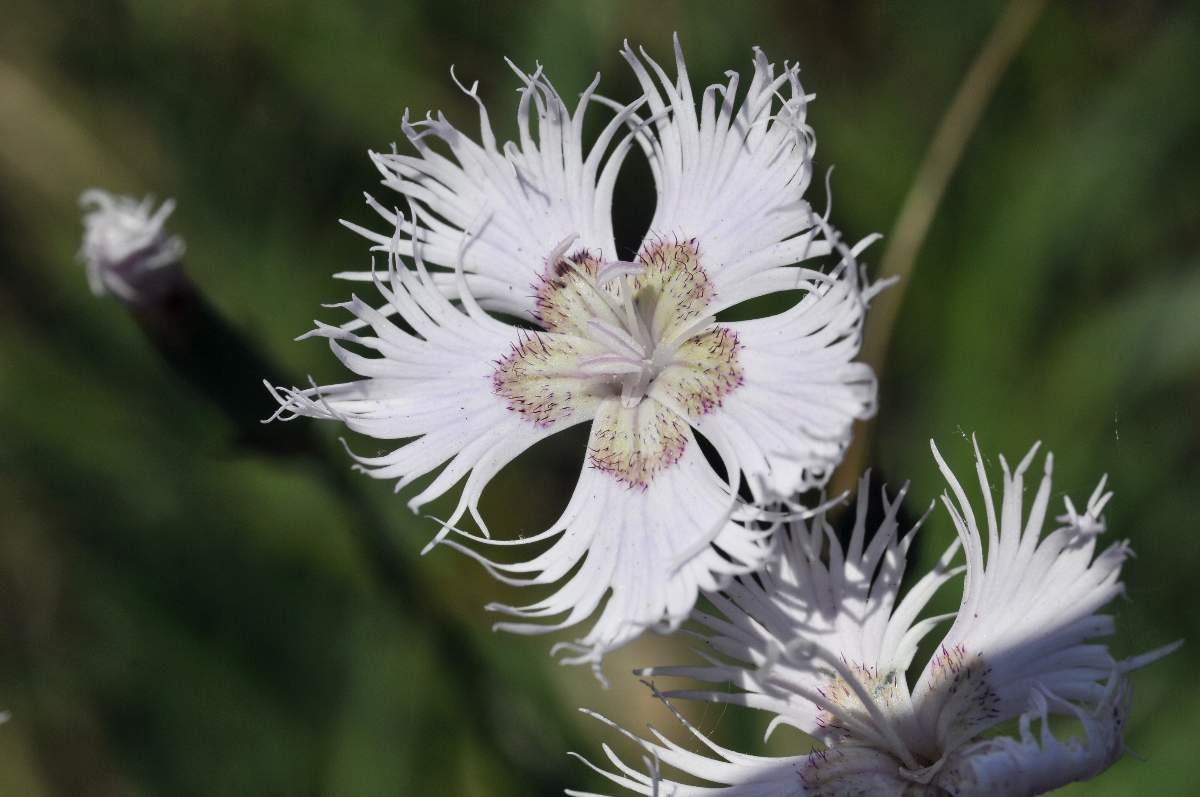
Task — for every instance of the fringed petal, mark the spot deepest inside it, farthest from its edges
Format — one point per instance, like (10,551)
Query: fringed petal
(440,388)
(733,174)
(1029,611)
(845,771)
(1033,765)
(762,640)
(645,532)
(497,212)
(792,416)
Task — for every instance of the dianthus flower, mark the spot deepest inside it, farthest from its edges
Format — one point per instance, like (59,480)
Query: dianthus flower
(823,644)
(515,319)
(125,243)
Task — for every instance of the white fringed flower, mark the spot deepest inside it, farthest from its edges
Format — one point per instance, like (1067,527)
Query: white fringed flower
(124,242)
(823,644)
(523,230)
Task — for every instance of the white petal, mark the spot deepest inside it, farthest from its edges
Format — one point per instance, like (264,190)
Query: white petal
(434,389)
(1028,615)
(733,175)
(791,419)
(651,547)
(500,211)
(845,607)
(1030,765)
(844,772)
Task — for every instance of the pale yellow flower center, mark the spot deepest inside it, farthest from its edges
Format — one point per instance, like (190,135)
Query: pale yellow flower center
(632,344)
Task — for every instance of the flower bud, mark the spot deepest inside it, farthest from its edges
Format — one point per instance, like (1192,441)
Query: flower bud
(126,250)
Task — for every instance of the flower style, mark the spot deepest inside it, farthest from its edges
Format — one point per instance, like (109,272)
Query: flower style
(826,647)
(505,238)
(125,244)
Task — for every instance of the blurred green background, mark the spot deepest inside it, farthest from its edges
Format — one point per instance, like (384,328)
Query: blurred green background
(183,612)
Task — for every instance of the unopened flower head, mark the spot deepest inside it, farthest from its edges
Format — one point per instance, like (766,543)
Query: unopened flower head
(523,230)
(824,644)
(125,243)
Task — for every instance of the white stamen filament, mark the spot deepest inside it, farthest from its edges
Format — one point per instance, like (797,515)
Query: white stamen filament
(633,319)
(560,250)
(616,269)
(609,364)
(618,337)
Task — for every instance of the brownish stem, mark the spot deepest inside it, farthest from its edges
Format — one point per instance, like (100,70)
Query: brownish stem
(924,196)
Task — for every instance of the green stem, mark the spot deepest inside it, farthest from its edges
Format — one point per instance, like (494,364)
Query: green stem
(924,197)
